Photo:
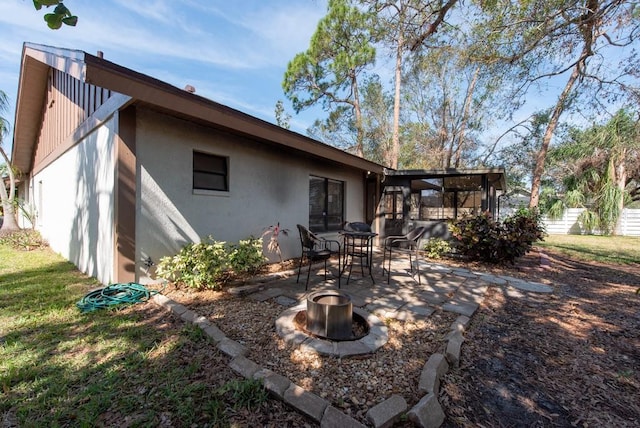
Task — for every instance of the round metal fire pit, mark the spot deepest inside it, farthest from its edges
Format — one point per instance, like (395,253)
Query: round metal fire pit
(330,314)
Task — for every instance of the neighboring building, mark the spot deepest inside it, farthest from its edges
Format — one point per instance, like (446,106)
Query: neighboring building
(122,167)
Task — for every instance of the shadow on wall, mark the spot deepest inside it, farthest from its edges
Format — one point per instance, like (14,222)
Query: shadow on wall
(90,239)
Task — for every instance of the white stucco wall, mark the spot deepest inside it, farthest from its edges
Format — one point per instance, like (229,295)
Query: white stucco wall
(266,186)
(74,198)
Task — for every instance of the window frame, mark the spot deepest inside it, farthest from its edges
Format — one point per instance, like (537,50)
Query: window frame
(211,173)
(320,223)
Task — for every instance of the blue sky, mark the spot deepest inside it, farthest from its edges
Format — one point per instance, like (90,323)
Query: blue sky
(233,52)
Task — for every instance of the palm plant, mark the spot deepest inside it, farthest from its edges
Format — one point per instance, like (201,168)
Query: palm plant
(9,223)
(274,232)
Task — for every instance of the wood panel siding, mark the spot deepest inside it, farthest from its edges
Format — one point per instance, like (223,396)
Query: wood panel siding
(68,103)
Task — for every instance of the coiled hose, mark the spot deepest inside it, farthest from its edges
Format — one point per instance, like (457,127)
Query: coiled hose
(114,295)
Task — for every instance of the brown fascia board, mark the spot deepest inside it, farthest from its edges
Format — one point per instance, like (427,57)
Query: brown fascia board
(29,100)
(34,69)
(154,92)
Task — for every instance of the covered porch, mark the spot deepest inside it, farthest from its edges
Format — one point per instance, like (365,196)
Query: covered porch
(429,198)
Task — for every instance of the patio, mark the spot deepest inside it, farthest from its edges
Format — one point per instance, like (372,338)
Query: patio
(425,325)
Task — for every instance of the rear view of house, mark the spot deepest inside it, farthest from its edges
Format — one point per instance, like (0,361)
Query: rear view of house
(123,168)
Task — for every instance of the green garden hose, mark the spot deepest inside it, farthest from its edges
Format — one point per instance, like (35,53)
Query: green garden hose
(114,295)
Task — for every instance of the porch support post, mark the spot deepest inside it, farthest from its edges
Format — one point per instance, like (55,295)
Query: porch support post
(485,192)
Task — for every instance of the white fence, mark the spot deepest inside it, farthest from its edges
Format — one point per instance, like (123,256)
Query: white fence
(628,225)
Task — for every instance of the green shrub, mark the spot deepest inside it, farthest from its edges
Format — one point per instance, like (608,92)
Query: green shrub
(197,265)
(23,239)
(247,256)
(484,239)
(209,264)
(436,248)
(588,221)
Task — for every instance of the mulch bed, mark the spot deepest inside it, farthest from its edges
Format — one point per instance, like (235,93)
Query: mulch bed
(567,359)
(570,359)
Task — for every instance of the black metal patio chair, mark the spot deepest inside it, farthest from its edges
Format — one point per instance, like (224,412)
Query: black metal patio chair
(316,249)
(406,244)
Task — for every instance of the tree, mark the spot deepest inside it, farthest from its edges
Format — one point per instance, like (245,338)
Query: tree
(10,223)
(60,15)
(451,112)
(601,166)
(282,117)
(525,138)
(328,72)
(404,25)
(559,37)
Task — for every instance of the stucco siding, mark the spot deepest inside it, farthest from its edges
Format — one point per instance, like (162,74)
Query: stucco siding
(266,186)
(75,204)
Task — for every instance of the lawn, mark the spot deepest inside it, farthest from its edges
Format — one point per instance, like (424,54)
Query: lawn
(605,249)
(135,366)
(140,366)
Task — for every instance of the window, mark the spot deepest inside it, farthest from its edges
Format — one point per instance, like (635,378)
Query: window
(393,203)
(210,172)
(446,198)
(326,204)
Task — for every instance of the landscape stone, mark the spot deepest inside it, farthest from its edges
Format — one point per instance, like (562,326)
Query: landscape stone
(244,366)
(231,348)
(334,418)
(432,372)
(306,402)
(420,309)
(460,323)
(244,290)
(176,308)
(460,307)
(202,322)
(385,414)
(427,413)
(273,382)
(285,301)
(189,316)
(453,348)
(214,333)
(161,299)
(535,287)
(346,349)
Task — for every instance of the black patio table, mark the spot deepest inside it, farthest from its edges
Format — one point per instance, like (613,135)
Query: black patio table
(358,245)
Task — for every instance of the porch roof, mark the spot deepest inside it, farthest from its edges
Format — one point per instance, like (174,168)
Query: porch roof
(495,176)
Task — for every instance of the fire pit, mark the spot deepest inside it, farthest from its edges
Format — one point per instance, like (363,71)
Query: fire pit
(330,314)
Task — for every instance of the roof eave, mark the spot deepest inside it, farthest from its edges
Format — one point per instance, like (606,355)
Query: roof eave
(34,68)
(37,59)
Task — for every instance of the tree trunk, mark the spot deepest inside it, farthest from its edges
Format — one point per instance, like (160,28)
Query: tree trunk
(621,182)
(358,115)
(395,134)
(541,157)
(465,117)
(9,222)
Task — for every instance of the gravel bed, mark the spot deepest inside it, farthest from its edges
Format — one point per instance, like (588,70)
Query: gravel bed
(353,384)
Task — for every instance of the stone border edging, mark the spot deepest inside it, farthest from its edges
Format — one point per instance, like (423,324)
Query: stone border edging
(305,402)
(378,335)
(428,412)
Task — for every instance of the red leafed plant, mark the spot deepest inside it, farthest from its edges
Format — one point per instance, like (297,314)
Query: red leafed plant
(274,232)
